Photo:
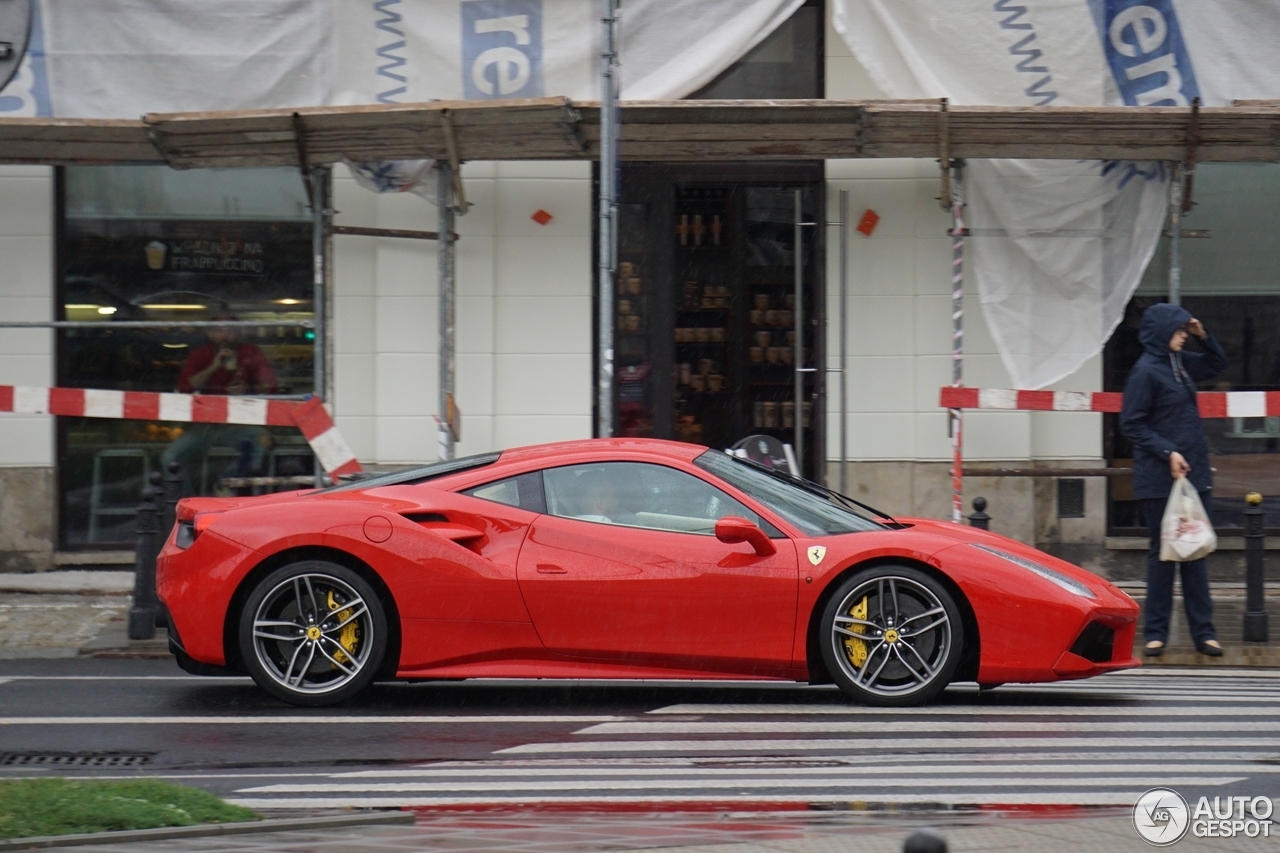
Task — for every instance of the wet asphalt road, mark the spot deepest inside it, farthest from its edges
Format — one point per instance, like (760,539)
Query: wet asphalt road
(497,744)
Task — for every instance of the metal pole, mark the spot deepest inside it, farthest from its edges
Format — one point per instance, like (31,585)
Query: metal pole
(445,275)
(606,214)
(844,344)
(1175,234)
(1255,615)
(319,383)
(957,339)
(108,325)
(142,616)
(797,419)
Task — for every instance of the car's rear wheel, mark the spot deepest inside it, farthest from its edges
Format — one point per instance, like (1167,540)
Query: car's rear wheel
(891,636)
(313,633)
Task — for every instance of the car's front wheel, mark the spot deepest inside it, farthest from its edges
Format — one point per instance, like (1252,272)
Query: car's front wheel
(891,636)
(313,633)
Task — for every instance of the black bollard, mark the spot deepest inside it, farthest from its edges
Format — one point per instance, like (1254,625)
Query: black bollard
(142,616)
(1255,608)
(172,492)
(925,840)
(980,519)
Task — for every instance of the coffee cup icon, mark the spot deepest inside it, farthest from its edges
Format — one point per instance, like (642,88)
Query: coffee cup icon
(155,254)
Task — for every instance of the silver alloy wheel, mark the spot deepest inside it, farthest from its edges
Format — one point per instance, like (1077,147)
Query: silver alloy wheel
(891,636)
(313,633)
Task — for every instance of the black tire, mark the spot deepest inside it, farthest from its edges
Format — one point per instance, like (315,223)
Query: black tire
(868,652)
(313,633)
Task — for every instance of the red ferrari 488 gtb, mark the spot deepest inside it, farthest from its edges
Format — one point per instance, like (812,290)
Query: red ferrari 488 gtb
(619,558)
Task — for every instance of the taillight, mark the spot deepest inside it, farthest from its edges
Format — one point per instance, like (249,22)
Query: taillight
(188,530)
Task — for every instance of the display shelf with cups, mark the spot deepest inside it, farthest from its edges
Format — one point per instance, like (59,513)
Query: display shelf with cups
(633,312)
(713,250)
(704,315)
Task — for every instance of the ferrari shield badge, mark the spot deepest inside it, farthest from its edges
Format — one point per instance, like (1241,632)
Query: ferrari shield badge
(816,553)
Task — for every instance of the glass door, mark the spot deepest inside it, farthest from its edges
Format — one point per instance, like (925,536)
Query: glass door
(705,331)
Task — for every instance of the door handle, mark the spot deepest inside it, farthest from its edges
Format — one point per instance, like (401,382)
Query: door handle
(549,569)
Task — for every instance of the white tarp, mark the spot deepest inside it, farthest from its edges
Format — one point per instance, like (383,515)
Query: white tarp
(1058,248)
(123,58)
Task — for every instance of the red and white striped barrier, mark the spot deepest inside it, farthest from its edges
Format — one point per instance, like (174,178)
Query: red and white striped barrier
(1212,404)
(308,415)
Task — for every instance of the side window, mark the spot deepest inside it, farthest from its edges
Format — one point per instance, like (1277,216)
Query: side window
(635,494)
(524,491)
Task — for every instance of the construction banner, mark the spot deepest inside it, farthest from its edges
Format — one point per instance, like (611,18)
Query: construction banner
(1059,247)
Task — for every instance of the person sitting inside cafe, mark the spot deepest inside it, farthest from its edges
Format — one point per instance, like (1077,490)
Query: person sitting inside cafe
(225,365)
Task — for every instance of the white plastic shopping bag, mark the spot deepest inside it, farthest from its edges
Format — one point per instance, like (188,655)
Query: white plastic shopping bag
(1185,531)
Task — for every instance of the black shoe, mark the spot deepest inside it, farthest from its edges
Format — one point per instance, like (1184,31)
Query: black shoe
(1213,651)
(1153,649)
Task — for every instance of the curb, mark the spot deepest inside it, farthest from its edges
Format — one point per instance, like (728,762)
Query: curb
(208,830)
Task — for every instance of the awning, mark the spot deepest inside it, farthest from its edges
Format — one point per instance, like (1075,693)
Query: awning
(685,131)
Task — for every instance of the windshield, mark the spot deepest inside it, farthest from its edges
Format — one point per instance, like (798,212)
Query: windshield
(813,513)
(415,475)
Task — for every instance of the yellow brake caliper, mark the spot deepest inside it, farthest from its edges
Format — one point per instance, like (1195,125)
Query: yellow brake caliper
(350,634)
(857,649)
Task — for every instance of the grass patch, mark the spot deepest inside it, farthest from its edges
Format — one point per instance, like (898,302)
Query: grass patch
(30,807)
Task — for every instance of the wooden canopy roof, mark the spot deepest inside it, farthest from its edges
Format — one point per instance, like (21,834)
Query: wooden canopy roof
(688,131)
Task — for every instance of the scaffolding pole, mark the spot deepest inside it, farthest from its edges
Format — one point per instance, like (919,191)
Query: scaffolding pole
(957,336)
(607,213)
(1175,234)
(844,341)
(445,275)
(318,178)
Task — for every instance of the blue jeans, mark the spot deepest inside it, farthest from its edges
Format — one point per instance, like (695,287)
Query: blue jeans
(1195,584)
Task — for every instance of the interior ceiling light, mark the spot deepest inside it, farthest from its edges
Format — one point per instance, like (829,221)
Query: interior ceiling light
(288,301)
(80,306)
(108,309)
(175,346)
(174,306)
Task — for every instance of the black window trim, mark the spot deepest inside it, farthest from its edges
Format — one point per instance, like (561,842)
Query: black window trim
(538,504)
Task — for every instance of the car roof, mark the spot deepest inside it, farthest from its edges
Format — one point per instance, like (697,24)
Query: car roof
(518,460)
(590,446)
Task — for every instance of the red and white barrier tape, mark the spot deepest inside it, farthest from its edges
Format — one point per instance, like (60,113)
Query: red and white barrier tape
(308,415)
(1212,404)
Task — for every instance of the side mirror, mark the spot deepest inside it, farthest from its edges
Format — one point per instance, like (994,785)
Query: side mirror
(733,529)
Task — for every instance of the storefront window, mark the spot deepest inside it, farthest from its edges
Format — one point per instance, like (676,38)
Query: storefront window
(705,334)
(151,243)
(1231,282)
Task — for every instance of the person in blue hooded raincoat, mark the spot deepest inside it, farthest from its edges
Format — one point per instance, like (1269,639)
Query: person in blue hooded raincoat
(1160,417)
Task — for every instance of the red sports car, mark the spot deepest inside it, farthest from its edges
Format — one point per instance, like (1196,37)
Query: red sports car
(619,558)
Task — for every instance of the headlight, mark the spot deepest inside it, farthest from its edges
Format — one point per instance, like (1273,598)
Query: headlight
(1051,575)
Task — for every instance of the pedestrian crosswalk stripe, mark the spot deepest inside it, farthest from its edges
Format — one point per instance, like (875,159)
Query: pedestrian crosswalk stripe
(876,783)
(878,727)
(364,720)
(870,741)
(1100,742)
(1124,797)
(1229,762)
(1269,707)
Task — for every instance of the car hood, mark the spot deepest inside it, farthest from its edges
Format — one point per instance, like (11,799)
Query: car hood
(949,534)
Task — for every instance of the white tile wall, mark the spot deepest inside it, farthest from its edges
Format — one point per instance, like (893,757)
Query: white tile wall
(26,293)
(27,210)
(543,385)
(26,440)
(523,314)
(899,330)
(475,384)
